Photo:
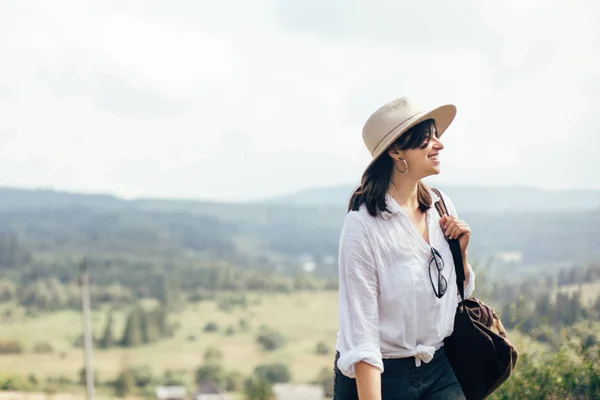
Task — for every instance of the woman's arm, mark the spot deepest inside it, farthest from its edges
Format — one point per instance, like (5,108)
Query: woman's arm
(358,339)
(368,381)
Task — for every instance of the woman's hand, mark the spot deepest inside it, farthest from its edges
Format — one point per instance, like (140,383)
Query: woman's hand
(455,228)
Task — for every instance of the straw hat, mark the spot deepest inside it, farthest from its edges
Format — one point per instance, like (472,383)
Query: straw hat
(393,119)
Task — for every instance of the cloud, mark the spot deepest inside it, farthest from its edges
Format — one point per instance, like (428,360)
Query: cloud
(239,100)
(431,25)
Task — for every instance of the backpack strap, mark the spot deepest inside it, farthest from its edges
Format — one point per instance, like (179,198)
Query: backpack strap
(441,208)
(440,205)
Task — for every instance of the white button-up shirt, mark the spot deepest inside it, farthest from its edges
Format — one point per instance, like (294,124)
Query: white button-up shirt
(387,306)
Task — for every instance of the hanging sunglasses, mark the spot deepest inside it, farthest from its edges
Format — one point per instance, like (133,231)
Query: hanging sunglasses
(442,283)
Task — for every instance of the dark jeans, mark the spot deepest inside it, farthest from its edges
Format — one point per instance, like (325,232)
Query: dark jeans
(402,379)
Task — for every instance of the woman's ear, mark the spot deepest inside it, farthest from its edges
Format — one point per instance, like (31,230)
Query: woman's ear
(394,152)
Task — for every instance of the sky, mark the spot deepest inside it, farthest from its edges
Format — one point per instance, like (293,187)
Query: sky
(239,100)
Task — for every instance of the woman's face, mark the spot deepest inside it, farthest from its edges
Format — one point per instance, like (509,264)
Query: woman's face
(422,161)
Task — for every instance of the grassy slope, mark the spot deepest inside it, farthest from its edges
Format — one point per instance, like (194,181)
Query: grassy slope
(304,318)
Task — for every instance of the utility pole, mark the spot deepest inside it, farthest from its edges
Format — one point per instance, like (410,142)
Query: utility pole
(87,329)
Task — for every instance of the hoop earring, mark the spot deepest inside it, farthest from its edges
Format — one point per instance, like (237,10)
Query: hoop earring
(405,163)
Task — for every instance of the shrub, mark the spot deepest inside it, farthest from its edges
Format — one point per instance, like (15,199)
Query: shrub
(212,355)
(78,342)
(244,325)
(142,376)
(33,380)
(322,348)
(14,383)
(174,378)
(234,381)
(201,295)
(270,339)
(229,302)
(325,380)
(216,375)
(273,373)
(562,375)
(43,348)
(211,327)
(10,347)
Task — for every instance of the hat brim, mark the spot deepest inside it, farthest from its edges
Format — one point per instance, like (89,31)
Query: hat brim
(443,117)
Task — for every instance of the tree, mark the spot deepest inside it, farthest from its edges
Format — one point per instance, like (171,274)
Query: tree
(543,307)
(213,355)
(148,327)
(57,295)
(83,376)
(160,317)
(170,296)
(578,311)
(8,290)
(108,339)
(597,304)
(124,384)
(212,373)
(132,335)
(256,388)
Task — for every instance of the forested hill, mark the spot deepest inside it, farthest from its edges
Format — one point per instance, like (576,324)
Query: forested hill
(274,235)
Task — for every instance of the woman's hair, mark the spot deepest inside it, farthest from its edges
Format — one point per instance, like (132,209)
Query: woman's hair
(377,177)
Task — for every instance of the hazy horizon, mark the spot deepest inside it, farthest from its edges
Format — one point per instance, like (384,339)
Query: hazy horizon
(190,100)
(276,195)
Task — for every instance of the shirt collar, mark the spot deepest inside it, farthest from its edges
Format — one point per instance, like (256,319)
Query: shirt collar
(392,206)
(434,197)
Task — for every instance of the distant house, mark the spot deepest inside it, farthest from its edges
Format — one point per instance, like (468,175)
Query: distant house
(285,391)
(208,391)
(170,393)
(509,256)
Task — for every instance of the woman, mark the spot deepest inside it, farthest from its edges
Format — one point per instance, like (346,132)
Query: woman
(397,290)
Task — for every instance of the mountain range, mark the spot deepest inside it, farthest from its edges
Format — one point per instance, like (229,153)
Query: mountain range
(466,198)
(469,198)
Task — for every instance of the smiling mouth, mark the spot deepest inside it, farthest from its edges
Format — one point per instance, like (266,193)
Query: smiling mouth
(434,158)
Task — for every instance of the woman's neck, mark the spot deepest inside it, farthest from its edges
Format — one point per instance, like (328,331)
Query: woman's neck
(405,193)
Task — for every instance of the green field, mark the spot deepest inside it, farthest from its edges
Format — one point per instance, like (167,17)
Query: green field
(304,318)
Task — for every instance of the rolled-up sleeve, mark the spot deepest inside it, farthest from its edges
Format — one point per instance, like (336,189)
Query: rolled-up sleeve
(470,285)
(358,337)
